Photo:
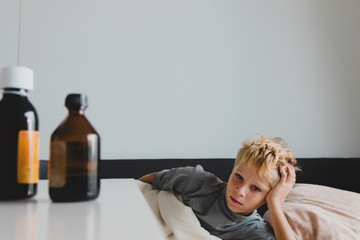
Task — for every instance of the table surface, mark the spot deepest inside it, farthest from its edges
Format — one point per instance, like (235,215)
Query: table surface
(120,212)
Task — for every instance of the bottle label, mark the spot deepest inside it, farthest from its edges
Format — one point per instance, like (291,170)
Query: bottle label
(28,157)
(57,164)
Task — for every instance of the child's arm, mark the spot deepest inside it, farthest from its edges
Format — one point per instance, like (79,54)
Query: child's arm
(148,178)
(275,199)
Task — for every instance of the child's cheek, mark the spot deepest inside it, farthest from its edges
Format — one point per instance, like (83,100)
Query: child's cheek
(232,183)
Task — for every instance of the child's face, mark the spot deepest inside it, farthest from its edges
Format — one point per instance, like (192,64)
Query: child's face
(246,191)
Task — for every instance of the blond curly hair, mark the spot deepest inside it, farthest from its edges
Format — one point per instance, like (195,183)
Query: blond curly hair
(266,156)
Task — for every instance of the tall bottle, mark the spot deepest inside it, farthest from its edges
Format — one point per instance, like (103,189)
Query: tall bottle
(19,135)
(74,156)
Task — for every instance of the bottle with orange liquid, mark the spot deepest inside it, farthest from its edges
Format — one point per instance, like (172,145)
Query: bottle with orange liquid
(19,135)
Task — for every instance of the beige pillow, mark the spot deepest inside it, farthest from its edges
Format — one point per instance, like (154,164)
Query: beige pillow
(320,212)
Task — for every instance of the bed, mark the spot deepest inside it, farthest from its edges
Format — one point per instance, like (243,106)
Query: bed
(324,203)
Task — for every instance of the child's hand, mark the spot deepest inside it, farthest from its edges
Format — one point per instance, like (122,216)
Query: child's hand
(279,193)
(149,178)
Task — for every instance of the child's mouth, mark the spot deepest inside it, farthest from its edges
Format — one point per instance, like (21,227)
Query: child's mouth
(236,202)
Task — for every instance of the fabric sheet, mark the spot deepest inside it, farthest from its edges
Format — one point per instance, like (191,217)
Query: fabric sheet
(177,220)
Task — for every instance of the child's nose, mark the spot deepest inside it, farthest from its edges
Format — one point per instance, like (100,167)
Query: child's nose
(241,191)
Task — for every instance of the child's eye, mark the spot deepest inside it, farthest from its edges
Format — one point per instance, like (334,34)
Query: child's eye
(238,176)
(255,188)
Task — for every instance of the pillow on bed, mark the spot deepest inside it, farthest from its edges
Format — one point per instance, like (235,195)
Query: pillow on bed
(320,212)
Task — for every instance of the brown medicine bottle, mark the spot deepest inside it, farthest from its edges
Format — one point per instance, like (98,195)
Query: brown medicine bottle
(74,156)
(19,135)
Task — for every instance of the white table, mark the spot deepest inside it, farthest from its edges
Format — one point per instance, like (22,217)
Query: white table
(120,212)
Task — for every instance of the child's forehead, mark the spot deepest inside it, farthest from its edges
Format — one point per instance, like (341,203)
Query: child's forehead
(248,166)
(252,172)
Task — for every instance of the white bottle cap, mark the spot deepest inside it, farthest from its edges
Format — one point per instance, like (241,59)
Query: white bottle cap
(17,77)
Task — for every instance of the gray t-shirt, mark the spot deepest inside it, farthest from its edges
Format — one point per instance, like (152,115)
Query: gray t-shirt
(205,194)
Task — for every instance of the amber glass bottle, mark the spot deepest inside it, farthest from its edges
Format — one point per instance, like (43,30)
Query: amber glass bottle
(74,156)
(19,136)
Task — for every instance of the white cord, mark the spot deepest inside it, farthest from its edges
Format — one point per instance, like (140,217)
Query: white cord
(19,31)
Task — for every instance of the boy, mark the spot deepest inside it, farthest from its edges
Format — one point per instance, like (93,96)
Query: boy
(264,171)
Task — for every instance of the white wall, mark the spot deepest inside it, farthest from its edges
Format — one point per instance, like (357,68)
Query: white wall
(194,78)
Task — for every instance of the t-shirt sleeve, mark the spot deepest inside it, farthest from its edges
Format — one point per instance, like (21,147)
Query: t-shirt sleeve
(180,180)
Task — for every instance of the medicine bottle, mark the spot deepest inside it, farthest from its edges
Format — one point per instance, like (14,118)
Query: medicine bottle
(19,135)
(74,155)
